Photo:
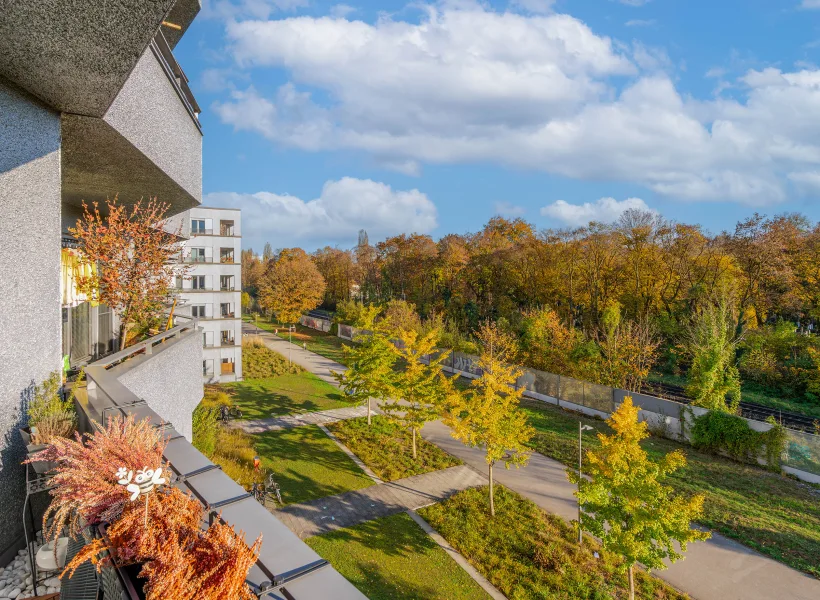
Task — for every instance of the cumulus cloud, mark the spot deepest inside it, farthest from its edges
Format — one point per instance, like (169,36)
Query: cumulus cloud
(604,210)
(507,209)
(530,91)
(336,216)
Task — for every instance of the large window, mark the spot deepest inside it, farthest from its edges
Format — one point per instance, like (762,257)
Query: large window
(227,338)
(226,255)
(198,282)
(197,255)
(226,283)
(225,227)
(198,310)
(197,226)
(226,310)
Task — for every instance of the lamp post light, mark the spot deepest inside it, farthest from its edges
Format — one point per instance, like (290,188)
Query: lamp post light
(581,429)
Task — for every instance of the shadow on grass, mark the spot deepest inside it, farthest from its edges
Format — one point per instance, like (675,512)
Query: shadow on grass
(307,464)
(265,398)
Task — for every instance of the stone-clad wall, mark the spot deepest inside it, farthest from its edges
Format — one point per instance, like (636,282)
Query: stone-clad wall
(30,319)
(169,380)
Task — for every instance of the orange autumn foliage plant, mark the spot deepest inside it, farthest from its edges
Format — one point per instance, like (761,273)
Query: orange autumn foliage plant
(181,561)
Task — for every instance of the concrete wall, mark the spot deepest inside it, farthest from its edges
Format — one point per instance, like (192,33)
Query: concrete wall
(149,114)
(30,266)
(169,380)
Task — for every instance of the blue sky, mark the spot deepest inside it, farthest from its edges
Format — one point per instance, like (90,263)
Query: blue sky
(321,118)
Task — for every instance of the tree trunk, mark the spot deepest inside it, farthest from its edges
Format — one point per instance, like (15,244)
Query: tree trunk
(123,334)
(492,503)
(414,443)
(631,584)
(368,411)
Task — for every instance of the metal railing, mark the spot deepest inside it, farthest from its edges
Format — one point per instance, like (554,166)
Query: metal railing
(162,51)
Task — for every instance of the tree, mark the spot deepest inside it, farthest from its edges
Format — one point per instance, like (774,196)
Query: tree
(267,253)
(134,260)
(628,351)
(625,502)
(371,370)
(711,343)
(488,414)
(247,302)
(399,316)
(291,285)
(418,391)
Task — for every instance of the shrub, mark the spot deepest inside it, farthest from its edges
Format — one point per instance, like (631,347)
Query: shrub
(206,428)
(259,361)
(49,415)
(717,431)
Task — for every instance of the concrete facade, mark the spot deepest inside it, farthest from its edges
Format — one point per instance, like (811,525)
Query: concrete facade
(169,380)
(29,305)
(212,289)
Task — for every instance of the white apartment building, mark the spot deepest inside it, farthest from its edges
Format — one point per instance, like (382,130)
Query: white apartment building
(211,290)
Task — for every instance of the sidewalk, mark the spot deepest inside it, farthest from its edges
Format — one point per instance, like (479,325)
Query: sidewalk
(718,569)
(312,418)
(343,510)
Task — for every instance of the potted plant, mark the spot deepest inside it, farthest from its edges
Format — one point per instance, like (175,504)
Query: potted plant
(115,485)
(49,417)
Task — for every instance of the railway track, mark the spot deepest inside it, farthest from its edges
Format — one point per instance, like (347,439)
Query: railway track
(749,410)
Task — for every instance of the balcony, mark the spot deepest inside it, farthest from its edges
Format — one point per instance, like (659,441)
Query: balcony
(226,257)
(160,379)
(227,368)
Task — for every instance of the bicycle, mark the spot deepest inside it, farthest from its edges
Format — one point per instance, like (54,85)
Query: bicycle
(269,489)
(229,413)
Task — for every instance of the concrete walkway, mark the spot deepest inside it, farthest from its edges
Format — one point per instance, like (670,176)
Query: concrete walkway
(351,508)
(312,418)
(718,569)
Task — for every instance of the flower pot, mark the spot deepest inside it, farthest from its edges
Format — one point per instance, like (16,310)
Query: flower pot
(40,466)
(25,433)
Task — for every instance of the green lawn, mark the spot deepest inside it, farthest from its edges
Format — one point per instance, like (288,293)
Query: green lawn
(751,392)
(391,558)
(774,514)
(307,464)
(283,395)
(528,553)
(387,449)
(324,344)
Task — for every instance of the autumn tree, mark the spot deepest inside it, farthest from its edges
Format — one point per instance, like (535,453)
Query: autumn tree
(399,316)
(419,389)
(371,372)
(134,260)
(339,271)
(628,350)
(488,414)
(291,285)
(711,343)
(625,502)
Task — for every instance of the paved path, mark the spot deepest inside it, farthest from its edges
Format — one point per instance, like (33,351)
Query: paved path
(343,510)
(718,569)
(289,421)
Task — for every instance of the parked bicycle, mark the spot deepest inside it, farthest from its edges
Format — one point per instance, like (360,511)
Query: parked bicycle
(267,490)
(229,413)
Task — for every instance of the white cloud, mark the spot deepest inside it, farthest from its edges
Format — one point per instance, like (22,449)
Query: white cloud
(641,23)
(807,182)
(342,10)
(529,91)
(341,210)
(604,210)
(507,209)
(534,6)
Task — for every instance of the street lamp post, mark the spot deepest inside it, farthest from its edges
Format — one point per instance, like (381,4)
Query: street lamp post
(581,429)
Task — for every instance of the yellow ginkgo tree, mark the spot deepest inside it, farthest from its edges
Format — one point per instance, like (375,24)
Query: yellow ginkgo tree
(625,502)
(488,414)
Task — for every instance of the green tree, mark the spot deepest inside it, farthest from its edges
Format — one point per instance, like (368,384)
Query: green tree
(419,389)
(371,370)
(625,502)
(711,342)
(488,414)
(247,302)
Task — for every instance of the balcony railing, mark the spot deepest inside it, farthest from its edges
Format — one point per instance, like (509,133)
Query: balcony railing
(226,258)
(176,75)
(201,231)
(286,566)
(227,342)
(226,231)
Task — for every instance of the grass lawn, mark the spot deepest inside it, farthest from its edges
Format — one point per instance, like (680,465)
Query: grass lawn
(307,464)
(753,393)
(387,449)
(528,553)
(324,344)
(392,557)
(776,515)
(283,395)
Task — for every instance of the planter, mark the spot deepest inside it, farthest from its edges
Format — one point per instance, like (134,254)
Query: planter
(25,433)
(40,466)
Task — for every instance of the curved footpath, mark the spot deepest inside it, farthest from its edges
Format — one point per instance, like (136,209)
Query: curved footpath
(718,569)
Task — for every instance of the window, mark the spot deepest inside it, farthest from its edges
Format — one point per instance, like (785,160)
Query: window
(198,310)
(227,338)
(225,227)
(226,255)
(198,282)
(226,310)
(226,283)
(197,226)
(178,283)
(197,255)
(227,366)
(207,368)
